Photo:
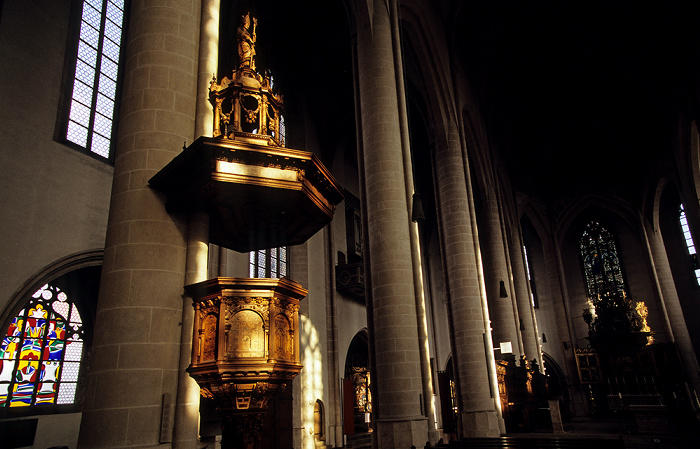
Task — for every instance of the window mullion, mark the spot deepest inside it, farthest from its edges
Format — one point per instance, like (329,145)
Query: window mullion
(98,71)
(268,264)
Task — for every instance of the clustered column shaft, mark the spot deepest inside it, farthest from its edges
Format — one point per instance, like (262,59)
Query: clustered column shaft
(479,415)
(398,379)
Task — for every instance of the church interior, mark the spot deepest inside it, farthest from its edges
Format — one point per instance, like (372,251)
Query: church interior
(349,223)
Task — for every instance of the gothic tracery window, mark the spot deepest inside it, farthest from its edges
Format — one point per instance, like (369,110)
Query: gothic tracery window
(601,263)
(41,351)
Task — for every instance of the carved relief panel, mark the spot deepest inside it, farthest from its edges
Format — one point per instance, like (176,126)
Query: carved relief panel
(209,336)
(246,336)
(284,343)
(206,332)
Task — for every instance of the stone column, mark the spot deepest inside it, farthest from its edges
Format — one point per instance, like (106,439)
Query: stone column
(522,291)
(186,432)
(676,327)
(398,420)
(134,368)
(335,414)
(418,286)
(479,409)
(503,312)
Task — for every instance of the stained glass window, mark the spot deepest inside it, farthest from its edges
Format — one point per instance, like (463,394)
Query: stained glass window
(600,261)
(41,352)
(91,116)
(268,263)
(689,242)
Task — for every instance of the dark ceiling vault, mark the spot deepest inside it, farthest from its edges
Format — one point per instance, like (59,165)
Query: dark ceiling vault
(580,97)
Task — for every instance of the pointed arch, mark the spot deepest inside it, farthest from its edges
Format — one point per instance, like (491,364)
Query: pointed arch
(580,206)
(47,329)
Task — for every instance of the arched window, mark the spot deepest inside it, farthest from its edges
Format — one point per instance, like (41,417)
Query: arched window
(689,242)
(601,264)
(41,351)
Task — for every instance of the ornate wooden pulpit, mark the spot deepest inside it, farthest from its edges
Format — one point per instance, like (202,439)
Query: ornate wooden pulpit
(258,194)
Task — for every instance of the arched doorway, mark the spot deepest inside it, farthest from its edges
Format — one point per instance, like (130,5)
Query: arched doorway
(357,399)
(448,399)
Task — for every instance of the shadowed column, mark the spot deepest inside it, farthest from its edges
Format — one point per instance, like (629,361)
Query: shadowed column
(398,382)
(471,342)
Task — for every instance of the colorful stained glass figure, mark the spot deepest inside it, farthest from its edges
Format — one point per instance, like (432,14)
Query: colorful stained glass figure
(9,348)
(15,327)
(3,392)
(34,328)
(22,394)
(49,372)
(57,330)
(31,349)
(53,350)
(7,369)
(46,393)
(26,371)
(41,351)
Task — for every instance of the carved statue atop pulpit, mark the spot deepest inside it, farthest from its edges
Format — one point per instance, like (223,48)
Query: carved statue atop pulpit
(246,42)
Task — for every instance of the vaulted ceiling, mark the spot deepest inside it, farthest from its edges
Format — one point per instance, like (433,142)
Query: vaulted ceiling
(581,97)
(577,97)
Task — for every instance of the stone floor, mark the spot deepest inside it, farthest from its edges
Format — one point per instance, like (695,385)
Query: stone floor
(584,428)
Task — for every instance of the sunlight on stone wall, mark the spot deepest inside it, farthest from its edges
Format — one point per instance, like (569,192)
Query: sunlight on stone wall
(312,378)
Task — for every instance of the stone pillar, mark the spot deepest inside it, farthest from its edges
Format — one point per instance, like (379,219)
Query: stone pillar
(186,431)
(398,421)
(676,327)
(134,368)
(528,330)
(479,409)
(502,310)
(419,290)
(335,414)
(298,263)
